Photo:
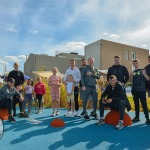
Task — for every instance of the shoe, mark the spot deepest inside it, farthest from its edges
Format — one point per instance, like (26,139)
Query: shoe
(95,116)
(57,113)
(86,117)
(53,114)
(83,113)
(23,115)
(91,114)
(67,114)
(38,112)
(72,115)
(77,114)
(100,122)
(119,125)
(135,119)
(11,119)
(148,121)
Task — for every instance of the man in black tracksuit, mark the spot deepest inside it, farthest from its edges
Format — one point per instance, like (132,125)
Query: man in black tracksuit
(115,98)
(19,80)
(147,68)
(119,71)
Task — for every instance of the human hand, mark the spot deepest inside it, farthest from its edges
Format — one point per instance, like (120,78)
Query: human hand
(83,88)
(88,73)
(104,101)
(109,100)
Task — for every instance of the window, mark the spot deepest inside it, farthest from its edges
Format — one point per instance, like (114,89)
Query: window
(133,55)
(127,54)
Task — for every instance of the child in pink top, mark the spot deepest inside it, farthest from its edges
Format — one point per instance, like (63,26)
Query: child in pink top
(40,91)
(55,82)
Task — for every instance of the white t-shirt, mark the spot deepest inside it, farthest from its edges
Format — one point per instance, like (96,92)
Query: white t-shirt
(69,86)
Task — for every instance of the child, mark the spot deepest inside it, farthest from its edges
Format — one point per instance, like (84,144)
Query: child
(138,78)
(29,92)
(70,95)
(54,82)
(40,91)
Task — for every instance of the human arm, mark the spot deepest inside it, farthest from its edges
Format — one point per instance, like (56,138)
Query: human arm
(145,75)
(126,75)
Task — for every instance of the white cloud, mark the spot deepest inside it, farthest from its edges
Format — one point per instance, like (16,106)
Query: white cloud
(105,33)
(15,58)
(35,32)
(11,29)
(75,45)
(114,36)
(144,45)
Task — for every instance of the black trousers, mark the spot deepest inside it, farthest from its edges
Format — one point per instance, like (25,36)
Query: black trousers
(15,102)
(140,95)
(115,105)
(76,93)
(39,98)
(6,103)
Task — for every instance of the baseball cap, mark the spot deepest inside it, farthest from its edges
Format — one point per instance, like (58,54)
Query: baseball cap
(11,80)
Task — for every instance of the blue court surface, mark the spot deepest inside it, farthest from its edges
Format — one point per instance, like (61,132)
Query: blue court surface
(78,134)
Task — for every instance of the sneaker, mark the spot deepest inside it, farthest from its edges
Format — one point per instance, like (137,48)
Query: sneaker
(100,122)
(91,114)
(95,116)
(53,114)
(11,119)
(23,115)
(148,121)
(67,114)
(72,115)
(38,112)
(57,113)
(86,117)
(136,119)
(83,113)
(77,114)
(119,125)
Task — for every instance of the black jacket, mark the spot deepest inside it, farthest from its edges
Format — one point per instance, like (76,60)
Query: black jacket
(120,72)
(18,76)
(116,94)
(147,68)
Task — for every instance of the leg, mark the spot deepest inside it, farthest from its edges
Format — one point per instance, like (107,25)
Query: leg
(136,104)
(53,105)
(144,103)
(76,91)
(6,103)
(122,106)
(94,96)
(101,108)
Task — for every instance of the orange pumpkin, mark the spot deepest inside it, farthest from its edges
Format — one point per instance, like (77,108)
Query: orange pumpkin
(57,123)
(4,114)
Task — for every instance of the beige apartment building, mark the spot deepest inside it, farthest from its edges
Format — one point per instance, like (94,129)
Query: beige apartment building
(104,51)
(37,62)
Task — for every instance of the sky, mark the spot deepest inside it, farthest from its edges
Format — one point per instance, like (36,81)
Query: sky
(54,26)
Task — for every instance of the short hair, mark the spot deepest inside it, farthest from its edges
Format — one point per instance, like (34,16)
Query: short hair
(72,60)
(112,77)
(117,57)
(16,64)
(149,56)
(135,60)
(83,59)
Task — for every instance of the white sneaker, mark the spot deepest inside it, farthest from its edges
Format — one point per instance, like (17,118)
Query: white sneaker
(72,115)
(57,113)
(77,114)
(53,114)
(67,114)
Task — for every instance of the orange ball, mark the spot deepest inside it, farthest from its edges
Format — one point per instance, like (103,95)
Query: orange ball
(57,123)
(4,114)
(112,118)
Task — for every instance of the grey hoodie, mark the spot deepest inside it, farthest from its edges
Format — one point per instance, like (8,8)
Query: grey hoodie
(7,92)
(89,81)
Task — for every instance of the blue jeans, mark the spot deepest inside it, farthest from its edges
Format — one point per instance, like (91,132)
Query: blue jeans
(28,99)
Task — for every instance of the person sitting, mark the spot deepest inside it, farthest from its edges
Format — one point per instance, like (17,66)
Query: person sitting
(116,100)
(7,93)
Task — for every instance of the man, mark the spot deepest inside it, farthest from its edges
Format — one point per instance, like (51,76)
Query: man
(6,97)
(113,97)
(147,69)
(119,71)
(75,72)
(138,78)
(89,74)
(18,76)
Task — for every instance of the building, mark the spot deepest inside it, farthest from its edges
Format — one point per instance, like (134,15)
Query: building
(104,51)
(43,62)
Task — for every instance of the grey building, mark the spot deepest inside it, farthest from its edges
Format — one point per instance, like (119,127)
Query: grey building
(38,62)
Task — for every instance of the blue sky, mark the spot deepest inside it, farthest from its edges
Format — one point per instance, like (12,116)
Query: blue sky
(51,26)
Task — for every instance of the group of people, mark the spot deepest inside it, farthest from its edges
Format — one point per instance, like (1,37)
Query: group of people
(84,80)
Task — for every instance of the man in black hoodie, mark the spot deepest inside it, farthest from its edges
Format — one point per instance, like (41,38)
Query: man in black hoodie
(119,71)
(147,69)
(115,98)
(18,76)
